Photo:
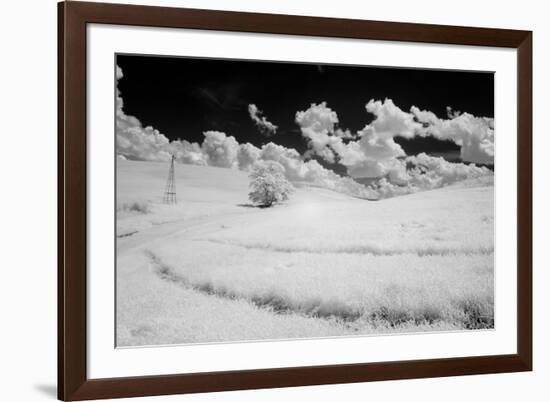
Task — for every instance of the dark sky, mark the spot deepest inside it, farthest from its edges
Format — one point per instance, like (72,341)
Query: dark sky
(182,97)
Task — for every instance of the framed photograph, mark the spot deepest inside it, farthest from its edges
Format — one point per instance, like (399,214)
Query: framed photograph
(253,201)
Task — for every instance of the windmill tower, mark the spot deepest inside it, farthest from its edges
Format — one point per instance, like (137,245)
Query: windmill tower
(170,189)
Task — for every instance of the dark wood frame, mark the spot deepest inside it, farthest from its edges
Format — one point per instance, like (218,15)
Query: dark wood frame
(73,17)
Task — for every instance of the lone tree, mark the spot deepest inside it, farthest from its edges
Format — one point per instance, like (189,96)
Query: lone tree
(268,184)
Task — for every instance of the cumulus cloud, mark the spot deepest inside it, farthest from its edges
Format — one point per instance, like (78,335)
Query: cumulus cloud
(375,151)
(142,143)
(220,149)
(317,124)
(136,142)
(433,172)
(345,134)
(248,154)
(371,152)
(119,74)
(390,120)
(318,118)
(423,172)
(311,172)
(474,135)
(264,126)
(187,152)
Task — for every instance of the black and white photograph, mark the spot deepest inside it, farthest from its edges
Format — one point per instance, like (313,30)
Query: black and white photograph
(273,200)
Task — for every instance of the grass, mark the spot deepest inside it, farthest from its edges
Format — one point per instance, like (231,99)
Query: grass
(372,249)
(323,264)
(140,207)
(367,290)
(155,312)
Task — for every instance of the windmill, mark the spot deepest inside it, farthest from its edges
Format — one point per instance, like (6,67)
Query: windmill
(170,189)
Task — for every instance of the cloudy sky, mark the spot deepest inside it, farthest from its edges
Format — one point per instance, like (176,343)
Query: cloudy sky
(184,97)
(356,121)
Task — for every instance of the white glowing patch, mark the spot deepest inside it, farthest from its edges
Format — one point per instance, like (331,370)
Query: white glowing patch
(311,210)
